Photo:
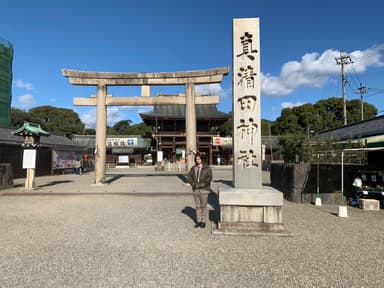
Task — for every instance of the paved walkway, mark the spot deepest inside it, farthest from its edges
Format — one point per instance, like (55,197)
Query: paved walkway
(119,180)
(114,237)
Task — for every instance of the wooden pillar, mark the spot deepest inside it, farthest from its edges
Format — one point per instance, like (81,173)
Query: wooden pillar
(30,183)
(101,131)
(190,123)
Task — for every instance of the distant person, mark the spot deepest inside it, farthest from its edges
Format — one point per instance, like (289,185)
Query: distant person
(200,177)
(357,184)
(78,167)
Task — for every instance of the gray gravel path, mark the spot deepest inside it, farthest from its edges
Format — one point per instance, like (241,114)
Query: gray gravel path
(134,241)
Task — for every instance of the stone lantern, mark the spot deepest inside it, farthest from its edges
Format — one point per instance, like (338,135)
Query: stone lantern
(31,133)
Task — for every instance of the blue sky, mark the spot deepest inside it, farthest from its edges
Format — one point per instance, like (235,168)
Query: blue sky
(299,43)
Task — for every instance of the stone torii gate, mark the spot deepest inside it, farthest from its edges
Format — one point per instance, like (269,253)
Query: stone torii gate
(104,79)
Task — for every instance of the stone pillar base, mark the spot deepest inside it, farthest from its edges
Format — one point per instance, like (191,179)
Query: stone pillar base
(250,210)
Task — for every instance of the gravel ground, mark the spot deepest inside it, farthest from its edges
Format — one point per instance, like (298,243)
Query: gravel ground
(137,241)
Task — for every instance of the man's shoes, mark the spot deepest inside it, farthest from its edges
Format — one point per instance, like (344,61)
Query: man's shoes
(198,224)
(202,225)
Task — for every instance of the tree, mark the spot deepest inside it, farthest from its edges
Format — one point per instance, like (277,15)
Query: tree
(122,127)
(296,125)
(18,117)
(288,122)
(330,112)
(111,131)
(90,131)
(266,127)
(225,129)
(354,111)
(292,144)
(141,129)
(57,120)
(323,115)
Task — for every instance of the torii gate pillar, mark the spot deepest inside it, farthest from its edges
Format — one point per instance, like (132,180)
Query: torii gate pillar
(101,133)
(190,123)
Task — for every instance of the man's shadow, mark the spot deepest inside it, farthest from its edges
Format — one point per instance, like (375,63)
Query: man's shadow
(213,214)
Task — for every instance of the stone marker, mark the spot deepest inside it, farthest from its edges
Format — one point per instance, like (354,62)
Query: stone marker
(247,205)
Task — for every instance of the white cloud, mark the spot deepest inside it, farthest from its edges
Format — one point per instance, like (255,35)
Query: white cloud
(26,101)
(114,115)
(291,105)
(24,85)
(89,118)
(211,89)
(143,109)
(315,70)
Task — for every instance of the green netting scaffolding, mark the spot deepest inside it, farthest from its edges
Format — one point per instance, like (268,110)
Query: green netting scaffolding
(6,58)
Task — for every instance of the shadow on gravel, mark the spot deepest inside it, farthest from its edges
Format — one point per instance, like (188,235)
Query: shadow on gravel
(226,182)
(190,212)
(214,202)
(213,214)
(53,183)
(145,175)
(113,178)
(182,177)
(18,185)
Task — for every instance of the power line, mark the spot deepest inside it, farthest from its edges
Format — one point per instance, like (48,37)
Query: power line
(378,92)
(375,50)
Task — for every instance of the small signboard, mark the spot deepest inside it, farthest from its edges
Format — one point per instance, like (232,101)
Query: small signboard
(159,156)
(29,159)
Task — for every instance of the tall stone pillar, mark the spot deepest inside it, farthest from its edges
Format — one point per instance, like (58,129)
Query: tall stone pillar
(101,131)
(190,123)
(247,205)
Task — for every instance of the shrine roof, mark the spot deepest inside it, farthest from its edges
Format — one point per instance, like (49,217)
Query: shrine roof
(29,128)
(56,142)
(367,128)
(203,111)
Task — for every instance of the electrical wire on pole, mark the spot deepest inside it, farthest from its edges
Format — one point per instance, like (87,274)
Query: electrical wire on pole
(362,90)
(344,60)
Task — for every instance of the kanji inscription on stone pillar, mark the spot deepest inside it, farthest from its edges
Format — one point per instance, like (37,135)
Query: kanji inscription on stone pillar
(246,104)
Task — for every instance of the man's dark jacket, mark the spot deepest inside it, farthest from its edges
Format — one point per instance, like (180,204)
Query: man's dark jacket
(205,178)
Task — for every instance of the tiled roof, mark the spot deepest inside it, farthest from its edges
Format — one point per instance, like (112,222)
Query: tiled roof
(362,129)
(55,141)
(31,128)
(203,111)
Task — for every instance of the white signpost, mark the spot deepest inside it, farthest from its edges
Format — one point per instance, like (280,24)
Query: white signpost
(29,159)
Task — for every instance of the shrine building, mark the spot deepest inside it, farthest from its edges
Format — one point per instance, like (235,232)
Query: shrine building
(169,132)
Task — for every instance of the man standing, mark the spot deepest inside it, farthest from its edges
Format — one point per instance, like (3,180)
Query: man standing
(200,177)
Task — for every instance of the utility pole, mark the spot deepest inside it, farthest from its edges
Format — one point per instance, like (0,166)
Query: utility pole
(344,60)
(362,90)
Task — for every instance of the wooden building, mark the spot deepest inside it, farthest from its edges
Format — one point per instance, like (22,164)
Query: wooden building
(168,122)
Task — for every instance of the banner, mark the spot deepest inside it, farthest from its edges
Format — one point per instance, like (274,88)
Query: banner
(64,159)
